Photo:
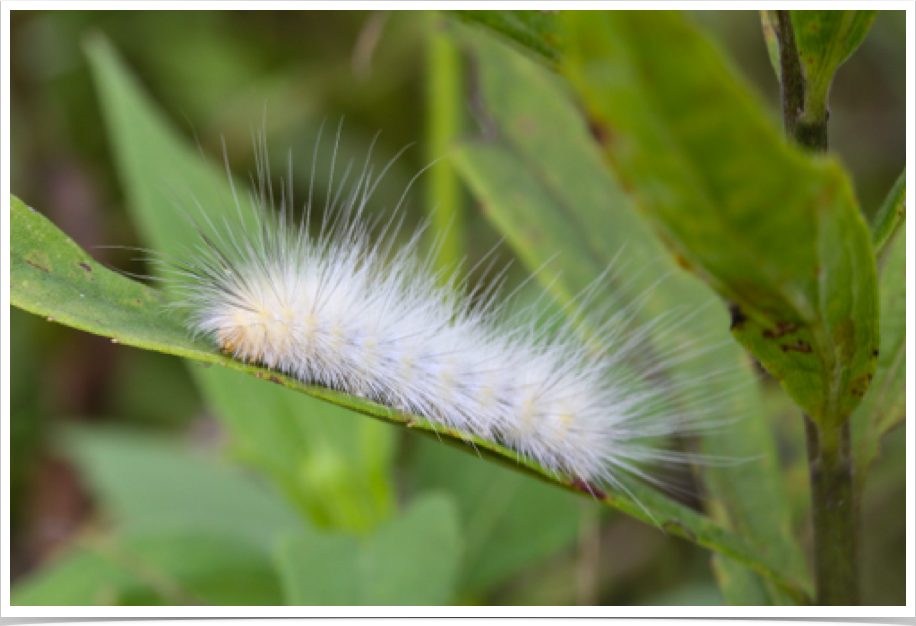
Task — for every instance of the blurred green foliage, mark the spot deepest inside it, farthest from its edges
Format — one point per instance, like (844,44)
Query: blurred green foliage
(170,519)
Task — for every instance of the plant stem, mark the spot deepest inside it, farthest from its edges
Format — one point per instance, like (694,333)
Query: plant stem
(834,503)
(444,115)
(834,507)
(808,133)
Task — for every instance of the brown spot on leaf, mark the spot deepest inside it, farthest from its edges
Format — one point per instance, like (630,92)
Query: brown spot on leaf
(844,336)
(37,266)
(682,261)
(782,328)
(600,132)
(39,260)
(269,377)
(738,316)
(799,346)
(860,384)
(86,267)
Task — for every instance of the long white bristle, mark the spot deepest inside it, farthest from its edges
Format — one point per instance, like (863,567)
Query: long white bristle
(346,310)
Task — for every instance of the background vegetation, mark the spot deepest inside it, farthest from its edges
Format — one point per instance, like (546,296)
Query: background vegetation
(128,465)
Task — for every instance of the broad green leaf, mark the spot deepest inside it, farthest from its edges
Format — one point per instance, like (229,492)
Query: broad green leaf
(890,217)
(533,32)
(543,183)
(510,521)
(149,484)
(170,568)
(884,406)
(411,560)
(336,468)
(52,277)
(773,231)
(825,39)
(189,528)
(43,281)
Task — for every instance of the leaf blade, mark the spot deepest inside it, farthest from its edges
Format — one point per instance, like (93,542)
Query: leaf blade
(890,217)
(761,226)
(544,185)
(177,568)
(884,406)
(40,297)
(335,468)
(412,560)
(533,32)
(825,39)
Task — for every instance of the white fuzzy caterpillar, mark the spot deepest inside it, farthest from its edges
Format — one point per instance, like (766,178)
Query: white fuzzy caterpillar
(346,310)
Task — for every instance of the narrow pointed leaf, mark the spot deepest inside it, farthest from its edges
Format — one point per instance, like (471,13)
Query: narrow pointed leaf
(48,279)
(411,560)
(334,467)
(772,230)
(542,181)
(890,217)
(535,33)
(825,39)
(884,406)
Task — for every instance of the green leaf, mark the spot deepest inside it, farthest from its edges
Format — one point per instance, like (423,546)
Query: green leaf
(334,467)
(52,277)
(150,484)
(825,39)
(171,568)
(43,281)
(543,183)
(189,529)
(533,32)
(890,217)
(510,521)
(772,230)
(884,406)
(411,560)
(768,25)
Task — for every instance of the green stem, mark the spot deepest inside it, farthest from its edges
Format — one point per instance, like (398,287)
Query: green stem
(804,129)
(834,508)
(834,505)
(444,82)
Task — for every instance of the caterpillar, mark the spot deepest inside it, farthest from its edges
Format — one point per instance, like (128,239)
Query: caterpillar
(350,309)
